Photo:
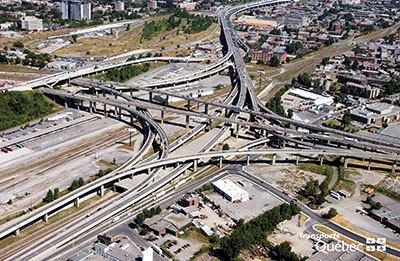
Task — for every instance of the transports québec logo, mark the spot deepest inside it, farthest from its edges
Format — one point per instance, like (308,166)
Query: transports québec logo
(324,244)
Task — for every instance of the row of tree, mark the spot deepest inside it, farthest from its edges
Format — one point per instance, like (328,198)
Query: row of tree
(51,196)
(76,183)
(256,230)
(275,104)
(126,72)
(146,213)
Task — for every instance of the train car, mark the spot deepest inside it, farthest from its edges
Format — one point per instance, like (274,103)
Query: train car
(8,149)
(4,150)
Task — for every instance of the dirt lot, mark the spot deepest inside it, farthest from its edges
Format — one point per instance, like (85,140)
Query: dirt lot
(289,177)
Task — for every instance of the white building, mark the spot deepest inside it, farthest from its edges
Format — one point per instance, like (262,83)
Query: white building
(31,23)
(147,254)
(230,190)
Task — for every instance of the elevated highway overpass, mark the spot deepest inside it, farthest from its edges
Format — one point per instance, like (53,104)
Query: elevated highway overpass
(16,225)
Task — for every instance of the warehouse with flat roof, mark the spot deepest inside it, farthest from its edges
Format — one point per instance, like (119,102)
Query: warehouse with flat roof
(230,190)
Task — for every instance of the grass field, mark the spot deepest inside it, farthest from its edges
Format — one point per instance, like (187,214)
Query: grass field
(125,41)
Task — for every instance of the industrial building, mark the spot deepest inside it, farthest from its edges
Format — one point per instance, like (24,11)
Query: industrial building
(389,213)
(169,223)
(230,190)
(78,10)
(376,113)
(301,99)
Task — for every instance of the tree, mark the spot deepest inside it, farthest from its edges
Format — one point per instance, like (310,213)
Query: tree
(331,213)
(74,38)
(18,44)
(346,119)
(355,66)
(9,202)
(330,41)
(56,193)
(274,62)
(305,79)
(290,113)
(325,61)
(225,146)
(49,197)
(310,188)
(81,182)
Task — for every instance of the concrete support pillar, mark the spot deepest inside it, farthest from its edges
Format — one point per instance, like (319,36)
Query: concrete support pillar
(206,109)
(346,162)
(130,91)
(220,162)
(237,130)
(226,112)
(369,164)
(91,107)
(66,103)
(195,165)
(149,171)
(394,166)
(131,118)
(105,109)
(321,160)
(17,232)
(101,191)
(167,99)
(188,105)
(77,201)
(283,143)
(46,218)
(187,121)
(94,106)
(247,160)
(150,96)
(297,160)
(119,113)
(162,116)
(273,159)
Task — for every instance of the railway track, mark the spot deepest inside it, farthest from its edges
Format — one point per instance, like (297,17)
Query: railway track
(23,173)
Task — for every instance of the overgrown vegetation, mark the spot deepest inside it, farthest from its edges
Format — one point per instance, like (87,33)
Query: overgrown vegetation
(188,23)
(17,108)
(314,192)
(387,192)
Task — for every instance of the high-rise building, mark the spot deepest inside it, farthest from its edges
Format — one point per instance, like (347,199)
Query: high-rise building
(119,6)
(78,10)
(152,4)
